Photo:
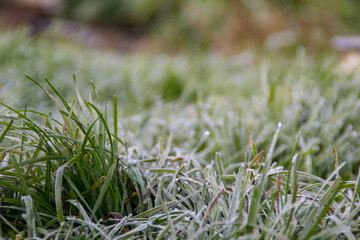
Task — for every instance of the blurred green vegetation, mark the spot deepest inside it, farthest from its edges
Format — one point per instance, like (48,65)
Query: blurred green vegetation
(120,12)
(221,23)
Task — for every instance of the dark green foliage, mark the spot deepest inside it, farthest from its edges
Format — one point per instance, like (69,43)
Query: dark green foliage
(137,13)
(172,86)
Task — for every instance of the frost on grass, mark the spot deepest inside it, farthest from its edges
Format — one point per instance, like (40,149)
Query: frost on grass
(75,177)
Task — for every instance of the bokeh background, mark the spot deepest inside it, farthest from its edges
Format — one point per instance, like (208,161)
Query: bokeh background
(172,26)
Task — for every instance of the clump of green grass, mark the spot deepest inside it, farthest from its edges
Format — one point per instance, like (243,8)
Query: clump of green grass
(73,174)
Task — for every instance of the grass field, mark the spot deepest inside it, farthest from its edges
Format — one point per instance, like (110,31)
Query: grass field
(198,146)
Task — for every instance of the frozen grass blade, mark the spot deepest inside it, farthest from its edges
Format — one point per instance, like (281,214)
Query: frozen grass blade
(166,152)
(258,192)
(235,200)
(170,225)
(29,216)
(356,194)
(219,164)
(201,141)
(293,180)
(81,210)
(291,162)
(243,199)
(90,225)
(293,183)
(325,201)
(327,198)
(118,227)
(336,161)
(333,233)
(154,210)
(58,193)
(139,229)
(211,207)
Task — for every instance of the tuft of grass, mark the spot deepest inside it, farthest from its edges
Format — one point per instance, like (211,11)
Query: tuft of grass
(72,177)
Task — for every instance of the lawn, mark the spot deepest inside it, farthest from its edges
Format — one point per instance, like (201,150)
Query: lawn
(94,144)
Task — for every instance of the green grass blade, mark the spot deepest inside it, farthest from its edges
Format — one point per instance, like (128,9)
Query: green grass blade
(7,224)
(5,131)
(107,130)
(104,188)
(25,189)
(32,161)
(47,93)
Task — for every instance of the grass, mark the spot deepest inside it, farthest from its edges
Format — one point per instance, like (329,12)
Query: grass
(205,160)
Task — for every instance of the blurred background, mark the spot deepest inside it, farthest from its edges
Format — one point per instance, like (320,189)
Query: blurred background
(226,26)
